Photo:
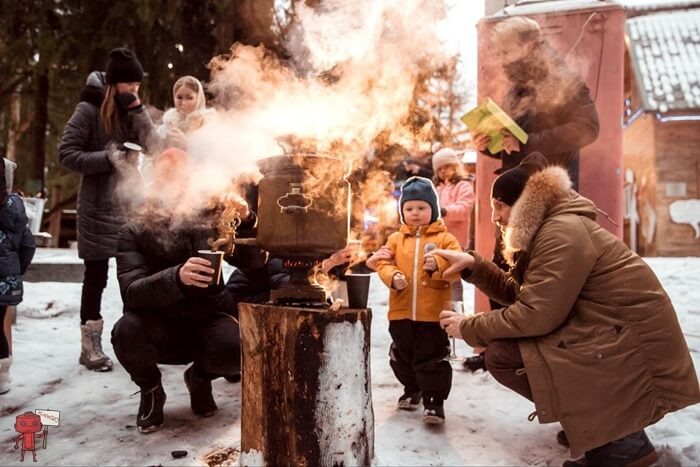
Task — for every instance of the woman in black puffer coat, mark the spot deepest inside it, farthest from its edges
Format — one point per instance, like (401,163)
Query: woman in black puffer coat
(16,252)
(109,113)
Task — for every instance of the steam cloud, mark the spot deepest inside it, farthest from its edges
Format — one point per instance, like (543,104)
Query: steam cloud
(351,77)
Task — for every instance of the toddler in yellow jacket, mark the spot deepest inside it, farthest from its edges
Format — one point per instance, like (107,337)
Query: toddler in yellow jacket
(419,348)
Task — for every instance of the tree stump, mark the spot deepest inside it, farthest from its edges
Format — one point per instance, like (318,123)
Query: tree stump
(307,396)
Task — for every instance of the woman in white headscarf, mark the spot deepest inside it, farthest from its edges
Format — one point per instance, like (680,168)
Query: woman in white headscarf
(189,113)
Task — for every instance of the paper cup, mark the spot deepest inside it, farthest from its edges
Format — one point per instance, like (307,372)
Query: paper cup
(358,289)
(215,258)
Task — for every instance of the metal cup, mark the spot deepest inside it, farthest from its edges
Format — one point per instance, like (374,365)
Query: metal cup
(215,258)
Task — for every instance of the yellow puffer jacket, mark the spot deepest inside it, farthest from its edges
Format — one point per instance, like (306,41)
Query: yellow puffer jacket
(422,300)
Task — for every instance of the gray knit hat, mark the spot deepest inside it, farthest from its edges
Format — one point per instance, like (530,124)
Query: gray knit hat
(422,189)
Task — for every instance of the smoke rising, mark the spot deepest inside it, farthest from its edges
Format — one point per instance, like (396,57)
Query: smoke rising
(351,76)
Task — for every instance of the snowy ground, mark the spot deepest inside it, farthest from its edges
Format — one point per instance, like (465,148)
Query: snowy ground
(486,423)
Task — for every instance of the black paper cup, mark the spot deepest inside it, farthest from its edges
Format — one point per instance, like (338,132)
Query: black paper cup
(358,289)
(215,258)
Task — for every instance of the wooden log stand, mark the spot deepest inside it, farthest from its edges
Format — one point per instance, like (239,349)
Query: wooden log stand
(307,396)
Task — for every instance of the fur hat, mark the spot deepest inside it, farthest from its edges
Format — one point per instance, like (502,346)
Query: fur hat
(422,189)
(123,67)
(445,156)
(508,187)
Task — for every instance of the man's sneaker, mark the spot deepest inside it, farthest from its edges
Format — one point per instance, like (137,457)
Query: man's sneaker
(475,363)
(410,400)
(632,450)
(150,416)
(434,414)
(201,399)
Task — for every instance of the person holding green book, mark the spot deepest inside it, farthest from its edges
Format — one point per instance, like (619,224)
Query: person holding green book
(548,102)
(547,109)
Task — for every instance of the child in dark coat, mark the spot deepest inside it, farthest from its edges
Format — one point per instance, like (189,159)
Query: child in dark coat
(16,252)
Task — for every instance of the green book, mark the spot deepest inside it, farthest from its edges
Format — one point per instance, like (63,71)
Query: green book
(489,119)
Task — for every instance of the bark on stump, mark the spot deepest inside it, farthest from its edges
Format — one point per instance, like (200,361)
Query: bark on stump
(307,396)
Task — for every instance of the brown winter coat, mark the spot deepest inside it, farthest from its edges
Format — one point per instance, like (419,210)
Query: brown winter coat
(422,300)
(601,343)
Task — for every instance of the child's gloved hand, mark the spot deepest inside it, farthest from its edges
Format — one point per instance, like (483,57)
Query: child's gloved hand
(429,264)
(399,281)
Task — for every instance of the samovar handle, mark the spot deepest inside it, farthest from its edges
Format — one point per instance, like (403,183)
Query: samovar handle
(285,201)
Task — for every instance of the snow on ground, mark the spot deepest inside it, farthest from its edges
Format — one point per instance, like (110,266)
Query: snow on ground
(486,423)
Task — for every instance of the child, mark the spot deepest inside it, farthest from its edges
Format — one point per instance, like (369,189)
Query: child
(16,252)
(456,195)
(189,113)
(419,348)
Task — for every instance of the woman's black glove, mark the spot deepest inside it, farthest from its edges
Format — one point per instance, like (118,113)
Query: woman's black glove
(128,101)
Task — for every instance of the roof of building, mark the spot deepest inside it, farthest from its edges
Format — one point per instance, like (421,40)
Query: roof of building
(535,7)
(643,7)
(665,52)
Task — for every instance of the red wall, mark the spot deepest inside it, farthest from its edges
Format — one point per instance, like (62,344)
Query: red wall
(599,58)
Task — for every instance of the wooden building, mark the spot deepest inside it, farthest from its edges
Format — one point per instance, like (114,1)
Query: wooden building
(661,138)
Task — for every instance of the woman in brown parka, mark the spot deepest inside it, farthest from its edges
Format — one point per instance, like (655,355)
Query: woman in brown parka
(586,330)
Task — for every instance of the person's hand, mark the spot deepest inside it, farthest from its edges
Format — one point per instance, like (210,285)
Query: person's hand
(430,263)
(383,253)
(343,256)
(480,141)
(399,281)
(510,143)
(451,322)
(116,157)
(459,260)
(196,272)
(127,100)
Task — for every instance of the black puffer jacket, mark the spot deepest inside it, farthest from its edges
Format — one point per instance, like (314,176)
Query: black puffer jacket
(16,249)
(83,149)
(150,256)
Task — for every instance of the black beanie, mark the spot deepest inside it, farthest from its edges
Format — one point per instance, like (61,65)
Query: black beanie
(508,187)
(422,189)
(123,67)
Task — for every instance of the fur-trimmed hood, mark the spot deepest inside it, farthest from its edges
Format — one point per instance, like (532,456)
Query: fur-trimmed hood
(547,193)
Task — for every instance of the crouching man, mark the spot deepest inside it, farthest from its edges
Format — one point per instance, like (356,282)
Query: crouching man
(586,330)
(173,313)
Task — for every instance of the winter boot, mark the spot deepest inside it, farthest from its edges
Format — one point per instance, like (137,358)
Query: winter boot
(633,450)
(433,411)
(234,378)
(150,416)
(562,438)
(92,355)
(5,374)
(201,399)
(410,400)
(475,363)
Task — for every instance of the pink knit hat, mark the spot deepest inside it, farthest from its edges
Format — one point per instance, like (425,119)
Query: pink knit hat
(443,157)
